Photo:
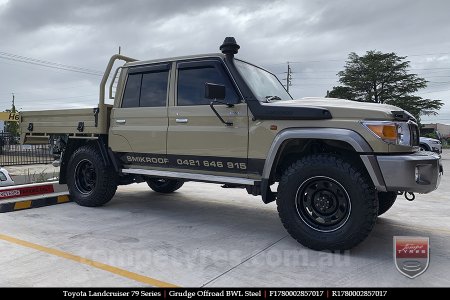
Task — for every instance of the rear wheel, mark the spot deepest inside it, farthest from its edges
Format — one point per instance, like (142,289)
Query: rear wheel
(385,201)
(325,203)
(162,185)
(90,181)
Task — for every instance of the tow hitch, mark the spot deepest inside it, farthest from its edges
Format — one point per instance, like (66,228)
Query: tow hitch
(408,195)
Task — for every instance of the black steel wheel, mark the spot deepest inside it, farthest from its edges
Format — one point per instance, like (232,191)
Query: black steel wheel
(85,176)
(323,203)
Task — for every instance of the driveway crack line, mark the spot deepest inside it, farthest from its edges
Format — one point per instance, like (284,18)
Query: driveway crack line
(244,261)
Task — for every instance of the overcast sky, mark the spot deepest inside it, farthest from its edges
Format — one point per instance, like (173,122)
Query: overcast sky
(316,36)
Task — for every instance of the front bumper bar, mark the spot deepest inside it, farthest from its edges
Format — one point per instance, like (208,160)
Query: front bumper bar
(419,172)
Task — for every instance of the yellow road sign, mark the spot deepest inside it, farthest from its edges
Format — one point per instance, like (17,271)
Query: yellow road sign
(6,116)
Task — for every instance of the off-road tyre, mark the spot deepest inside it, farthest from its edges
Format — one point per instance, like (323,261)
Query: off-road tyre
(91,183)
(327,203)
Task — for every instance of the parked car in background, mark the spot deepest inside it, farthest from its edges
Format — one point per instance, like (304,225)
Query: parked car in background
(429,144)
(5,178)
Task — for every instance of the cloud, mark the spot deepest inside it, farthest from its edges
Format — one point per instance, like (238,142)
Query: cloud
(316,35)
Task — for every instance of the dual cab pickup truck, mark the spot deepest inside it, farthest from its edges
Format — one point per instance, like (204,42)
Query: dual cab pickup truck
(215,118)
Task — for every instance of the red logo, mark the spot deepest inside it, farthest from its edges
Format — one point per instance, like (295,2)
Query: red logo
(411,255)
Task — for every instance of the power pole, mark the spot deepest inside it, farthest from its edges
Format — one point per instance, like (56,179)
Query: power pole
(13,108)
(12,126)
(288,77)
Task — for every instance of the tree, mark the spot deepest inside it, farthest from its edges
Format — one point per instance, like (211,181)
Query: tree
(11,126)
(342,92)
(384,78)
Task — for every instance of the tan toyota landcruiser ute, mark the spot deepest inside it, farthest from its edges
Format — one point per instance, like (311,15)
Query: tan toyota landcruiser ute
(214,118)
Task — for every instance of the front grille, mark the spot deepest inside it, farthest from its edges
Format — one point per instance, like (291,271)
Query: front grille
(414,129)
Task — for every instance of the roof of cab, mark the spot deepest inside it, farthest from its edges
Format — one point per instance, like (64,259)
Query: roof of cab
(171,59)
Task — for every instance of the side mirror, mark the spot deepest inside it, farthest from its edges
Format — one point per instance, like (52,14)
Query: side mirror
(214,91)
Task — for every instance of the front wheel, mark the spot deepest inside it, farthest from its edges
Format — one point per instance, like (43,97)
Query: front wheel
(326,203)
(165,186)
(91,182)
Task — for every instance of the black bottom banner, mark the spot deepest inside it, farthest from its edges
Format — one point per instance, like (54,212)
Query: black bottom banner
(191,293)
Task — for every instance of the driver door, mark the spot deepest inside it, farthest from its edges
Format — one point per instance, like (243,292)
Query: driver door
(196,138)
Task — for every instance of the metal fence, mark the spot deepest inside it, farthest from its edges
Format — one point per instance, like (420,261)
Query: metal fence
(12,153)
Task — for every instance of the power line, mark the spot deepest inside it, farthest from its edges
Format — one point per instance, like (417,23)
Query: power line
(425,54)
(429,92)
(59,98)
(438,82)
(48,64)
(61,105)
(335,71)
(29,92)
(31,66)
(337,79)
(335,59)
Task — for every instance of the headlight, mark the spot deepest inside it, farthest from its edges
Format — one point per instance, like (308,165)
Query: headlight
(391,132)
(435,142)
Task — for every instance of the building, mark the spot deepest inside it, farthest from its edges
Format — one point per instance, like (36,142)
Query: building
(442,129)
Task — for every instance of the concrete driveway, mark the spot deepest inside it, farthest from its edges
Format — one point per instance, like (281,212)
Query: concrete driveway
(204,235)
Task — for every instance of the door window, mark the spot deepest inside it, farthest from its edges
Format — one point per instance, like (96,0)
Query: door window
(146,89)
(191,84)
(154,89)
(132,91)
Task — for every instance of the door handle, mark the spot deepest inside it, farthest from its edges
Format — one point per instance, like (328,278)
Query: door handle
(121,121)
(182,120)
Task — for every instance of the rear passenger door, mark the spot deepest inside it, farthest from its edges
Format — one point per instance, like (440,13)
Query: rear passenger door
(139,123)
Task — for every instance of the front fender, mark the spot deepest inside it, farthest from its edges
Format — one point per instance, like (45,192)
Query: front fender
(356,141)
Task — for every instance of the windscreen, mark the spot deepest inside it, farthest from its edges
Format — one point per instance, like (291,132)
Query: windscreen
(264,85)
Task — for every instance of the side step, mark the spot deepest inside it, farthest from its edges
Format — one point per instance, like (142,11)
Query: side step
(191,176)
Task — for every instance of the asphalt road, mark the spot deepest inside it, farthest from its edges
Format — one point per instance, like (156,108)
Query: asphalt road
(204,235)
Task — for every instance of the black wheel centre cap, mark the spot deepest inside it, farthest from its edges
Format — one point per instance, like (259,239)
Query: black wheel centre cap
(324,202)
